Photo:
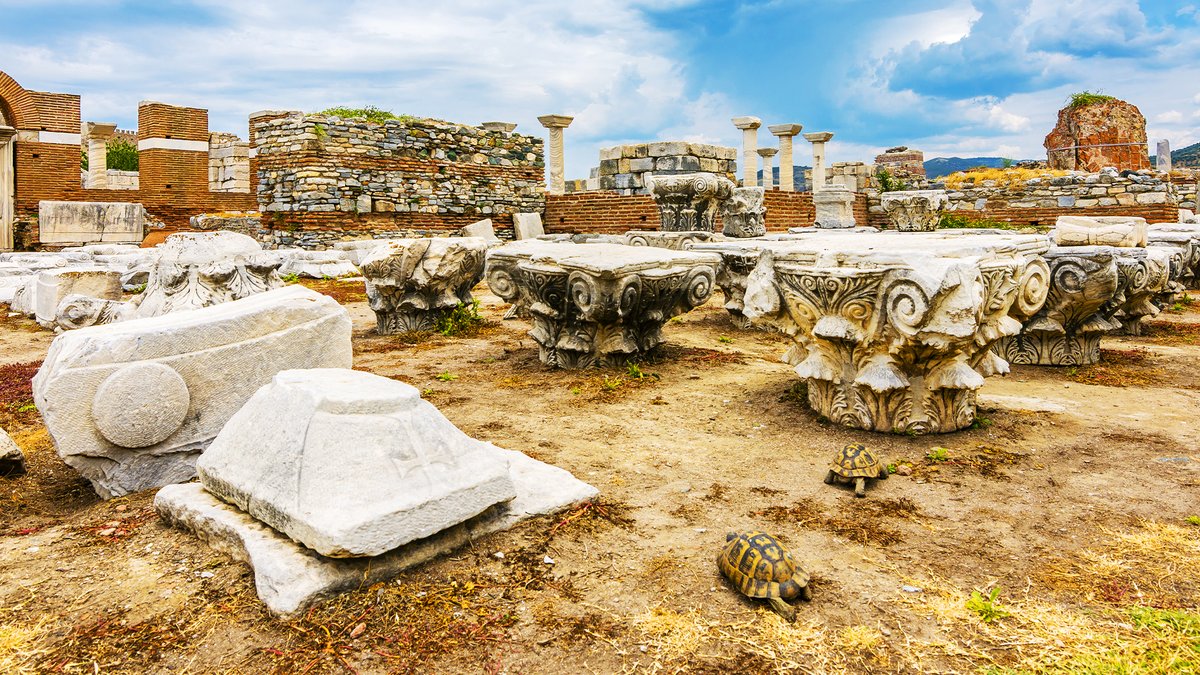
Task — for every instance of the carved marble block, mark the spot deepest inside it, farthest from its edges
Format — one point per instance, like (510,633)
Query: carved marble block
(411,283)
(1191,280)
(130,405)
(1142,274)
(915,210)
(1099,231)
(1185,258)
(599,304)
(675,241)
(689,201)
(744,214)
(1066,330)
(834,207)
(892,330)
(315,264)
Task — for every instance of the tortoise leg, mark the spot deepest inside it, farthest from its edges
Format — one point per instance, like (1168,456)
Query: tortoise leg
(860,487)
(830,478)
(783,609)
(806,593)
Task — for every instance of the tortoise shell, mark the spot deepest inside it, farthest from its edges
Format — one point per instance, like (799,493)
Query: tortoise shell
(761,567)
(855,461)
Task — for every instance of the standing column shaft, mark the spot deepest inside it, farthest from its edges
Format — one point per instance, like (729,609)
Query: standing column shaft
(768,179)
(749,127)
(6,188)
(99,134)
(556,124)
(818,140)
(786,133)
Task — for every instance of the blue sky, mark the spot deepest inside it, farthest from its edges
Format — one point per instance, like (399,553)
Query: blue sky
(951,77)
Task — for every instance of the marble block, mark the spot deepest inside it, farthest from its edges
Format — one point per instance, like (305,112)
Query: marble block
(1142,275)
(53,286)
(689,201)
(915,210)
(411,283)
(350,464)
(1099,231)
(744,214)
(892,330)
(482,229)
(315,264)
(90,222)
(130,405)
(527,225)
(598,304)
(1066,330)
(834,206)
(675,241)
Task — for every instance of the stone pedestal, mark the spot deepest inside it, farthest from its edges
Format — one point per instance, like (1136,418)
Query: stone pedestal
(786,133)
(818,140)
(749,127)
(915,210)
(689,201)
(556,124)
(599,304)
(768,169)
(892,331)
(834,205)
(744,214)
(412,283)
(1066,331)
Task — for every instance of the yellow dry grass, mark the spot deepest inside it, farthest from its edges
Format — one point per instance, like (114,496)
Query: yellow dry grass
(1011,178)
(21,645)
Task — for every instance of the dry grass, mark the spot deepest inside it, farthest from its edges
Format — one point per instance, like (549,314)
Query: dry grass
(22,645)
(343,290)
(860,521)
(1011,177)
(1121,368)
(1170,332)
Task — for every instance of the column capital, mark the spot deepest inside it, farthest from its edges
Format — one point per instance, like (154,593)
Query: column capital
(785,129)
(818,136)
(556,121)
(101,131)
(746,123)
(767,152)
(7,133)
(506,127)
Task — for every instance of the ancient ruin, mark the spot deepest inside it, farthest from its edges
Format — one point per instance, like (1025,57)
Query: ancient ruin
(412,283)
(689,201)
(1096,132)
(743,214)
(915,210)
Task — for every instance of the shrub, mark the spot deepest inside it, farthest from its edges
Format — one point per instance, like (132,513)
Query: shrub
(889,183)
(1083,98)
(463,319)
(122,156)
(369,113)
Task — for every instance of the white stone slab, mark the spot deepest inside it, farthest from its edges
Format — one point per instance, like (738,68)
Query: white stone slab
(90,222)
(55,285)
(482,229)
(316,264)
(350,464)
(290,578)
(527,225)
(114,412)
(1099,231)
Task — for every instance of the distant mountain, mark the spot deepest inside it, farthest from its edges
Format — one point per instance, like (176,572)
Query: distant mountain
(1189,156)
(944,166)
(798,183)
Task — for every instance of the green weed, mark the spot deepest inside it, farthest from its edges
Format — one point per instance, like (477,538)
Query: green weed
(447,377)
(987,608)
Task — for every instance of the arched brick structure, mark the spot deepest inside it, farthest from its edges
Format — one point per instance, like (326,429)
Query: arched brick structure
(19,107)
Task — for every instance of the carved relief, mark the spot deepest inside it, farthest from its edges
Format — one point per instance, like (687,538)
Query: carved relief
(915,210)
(689,201)
(411,283)
(744,214)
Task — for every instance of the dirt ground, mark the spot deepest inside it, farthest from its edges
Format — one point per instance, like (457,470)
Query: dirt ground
(1059,535)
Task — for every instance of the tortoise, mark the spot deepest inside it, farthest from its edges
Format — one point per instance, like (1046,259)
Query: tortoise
(855,464)
(760,567)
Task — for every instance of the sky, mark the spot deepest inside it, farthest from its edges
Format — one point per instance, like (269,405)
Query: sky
(950,77)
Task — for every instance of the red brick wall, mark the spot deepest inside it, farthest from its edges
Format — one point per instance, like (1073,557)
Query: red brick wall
(20,108)
(159,120)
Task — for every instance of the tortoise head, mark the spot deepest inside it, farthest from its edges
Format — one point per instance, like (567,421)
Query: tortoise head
(731,536)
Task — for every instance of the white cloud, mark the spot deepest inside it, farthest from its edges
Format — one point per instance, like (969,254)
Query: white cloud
(1169,117)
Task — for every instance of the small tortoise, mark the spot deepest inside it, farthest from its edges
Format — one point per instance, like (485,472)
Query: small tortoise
(855,464)
(760,567)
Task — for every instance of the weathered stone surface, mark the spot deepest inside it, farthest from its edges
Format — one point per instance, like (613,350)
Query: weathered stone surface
(689,201)
(350,464)
(102,387)
(892,330)
(356,251)
(528,225)
(411,283)
(835,207)
(1168,235)
(53,286)
(744,214)
(915,210)
(290,578)
(90,222)
(598,304)
(316,264)
(482,229)
(1099,231)
(1142,274)
(1066,330)
(676,241)
(12,460)
(1092,137)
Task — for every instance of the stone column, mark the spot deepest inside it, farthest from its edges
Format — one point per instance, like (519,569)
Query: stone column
(749,127)
(785,132)
(99,134)
(1162,160)
(6,187)
(818,140)
(767,155)
(554,154)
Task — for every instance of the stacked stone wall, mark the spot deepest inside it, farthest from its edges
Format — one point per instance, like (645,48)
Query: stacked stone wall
(228,163)
(325,178)
(624,168)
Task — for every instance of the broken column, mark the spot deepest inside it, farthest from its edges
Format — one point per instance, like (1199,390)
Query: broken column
(99,133)
(689,201)
(743,214)
(556,124)
(412,283)
(915,210)
(749,127)
(768,171)
(1162,160)
(818,140)
(786,132)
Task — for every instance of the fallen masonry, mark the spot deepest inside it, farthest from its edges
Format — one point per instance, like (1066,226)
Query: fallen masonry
(412,283)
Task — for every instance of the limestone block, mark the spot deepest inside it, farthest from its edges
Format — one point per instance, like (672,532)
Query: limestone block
(350,464)
(1099,231)
(53,286)
(482,229)
(289,578)
(358,249)
(411,283)
(598,304)
(130,405)
(834,206)
(915,210)
(689,201)
(90,222)
(676,241)
(528,225)
(1142,274)
(12,460)
(744,214)
(316,264)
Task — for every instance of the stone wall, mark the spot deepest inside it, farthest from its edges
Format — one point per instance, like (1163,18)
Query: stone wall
(117,180)
(317,173)
(228,163)
(624,168)
(1092,136)
(903,159)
